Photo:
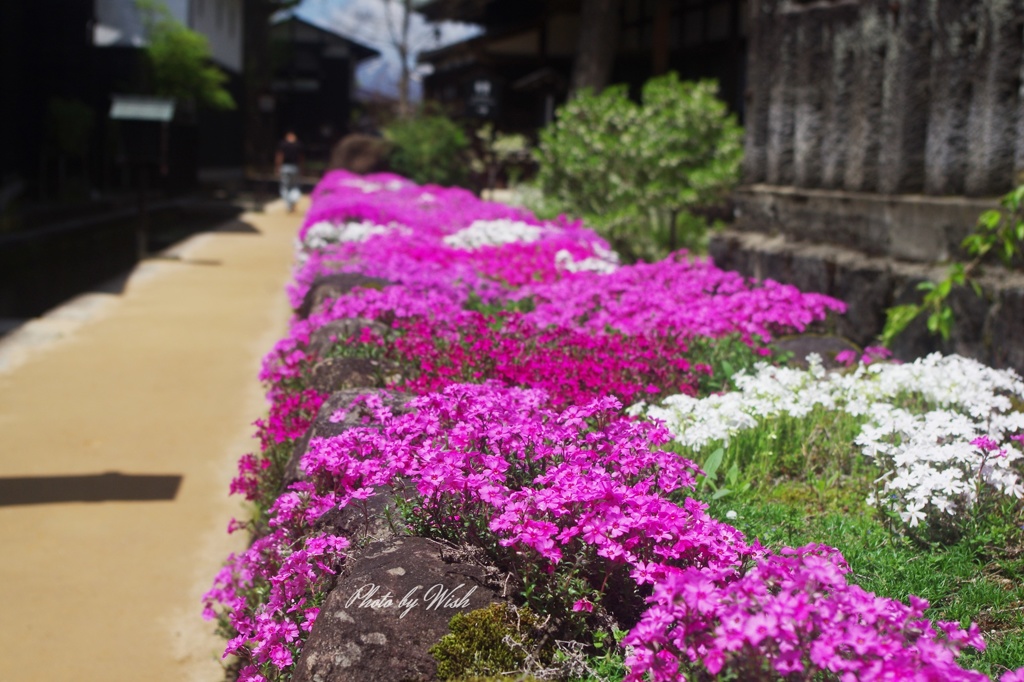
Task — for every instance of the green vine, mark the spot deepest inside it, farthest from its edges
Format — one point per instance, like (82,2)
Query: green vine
(999,232)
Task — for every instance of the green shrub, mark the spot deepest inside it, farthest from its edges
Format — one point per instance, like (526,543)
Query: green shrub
(429,149)
(636,172)
(489,641)
(180,60)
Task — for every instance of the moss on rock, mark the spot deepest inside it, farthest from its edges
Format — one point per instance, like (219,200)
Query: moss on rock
(486,643)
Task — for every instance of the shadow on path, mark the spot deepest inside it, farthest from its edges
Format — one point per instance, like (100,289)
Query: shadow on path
(87,488)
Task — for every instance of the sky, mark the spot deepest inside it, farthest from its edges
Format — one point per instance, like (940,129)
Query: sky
(366,21)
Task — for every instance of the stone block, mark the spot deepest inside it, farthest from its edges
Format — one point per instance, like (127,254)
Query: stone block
(811,272)
(1006,330)
(775,264)
(782,100)
(913,228)
(323,427)
(866,288)
(994,99)
(341,374)
(391,603)
(905,100)
(954,61)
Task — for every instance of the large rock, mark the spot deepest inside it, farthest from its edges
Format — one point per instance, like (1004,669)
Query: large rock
(333,286)
(825,345)
(342,374)
(392,603)
(323,427)
(339,331)
(865,285)
(361,153)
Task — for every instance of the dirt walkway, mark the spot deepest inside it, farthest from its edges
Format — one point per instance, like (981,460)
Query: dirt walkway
(155,382)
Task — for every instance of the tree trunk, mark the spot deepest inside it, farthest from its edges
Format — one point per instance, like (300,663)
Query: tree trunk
(400,38)
(598,43)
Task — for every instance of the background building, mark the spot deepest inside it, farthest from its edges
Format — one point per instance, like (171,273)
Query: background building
(313,82)
(528,49)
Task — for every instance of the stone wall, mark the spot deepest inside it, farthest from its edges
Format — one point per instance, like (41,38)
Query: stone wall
(877,132)
(989,328)
(887,96)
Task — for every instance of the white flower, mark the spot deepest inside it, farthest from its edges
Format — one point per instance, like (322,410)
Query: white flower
(599,264)
(926,455)
(913,515)
(493,233)
(324,233)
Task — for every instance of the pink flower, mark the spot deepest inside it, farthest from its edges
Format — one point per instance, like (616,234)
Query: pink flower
(582,605)
(281,656)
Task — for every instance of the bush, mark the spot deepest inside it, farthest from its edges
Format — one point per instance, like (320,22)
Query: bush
(429,149)
(636,172)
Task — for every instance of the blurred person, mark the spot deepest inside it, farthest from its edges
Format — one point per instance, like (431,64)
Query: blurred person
(287,164)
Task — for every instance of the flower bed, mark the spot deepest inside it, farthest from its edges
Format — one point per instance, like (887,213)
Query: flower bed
(520,341)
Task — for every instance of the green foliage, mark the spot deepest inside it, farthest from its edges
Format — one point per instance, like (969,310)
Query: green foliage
(998,233)
(494,640)
(498,152)
(180,60)
(726,356)
(637,171)
(810,460)
(429,149)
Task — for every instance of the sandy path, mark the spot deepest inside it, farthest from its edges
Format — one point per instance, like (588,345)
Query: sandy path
(157,380)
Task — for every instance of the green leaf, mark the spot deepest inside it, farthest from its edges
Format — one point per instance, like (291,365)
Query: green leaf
(712,463)
(926,286)
(1014,198)
(720,493)
(732,477)
(990,219)
(898,318)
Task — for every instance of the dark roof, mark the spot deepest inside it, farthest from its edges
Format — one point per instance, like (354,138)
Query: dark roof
(471,11)
(492,14)
(303,31)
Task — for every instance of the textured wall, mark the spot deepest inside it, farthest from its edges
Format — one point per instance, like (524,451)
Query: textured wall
(887,96)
